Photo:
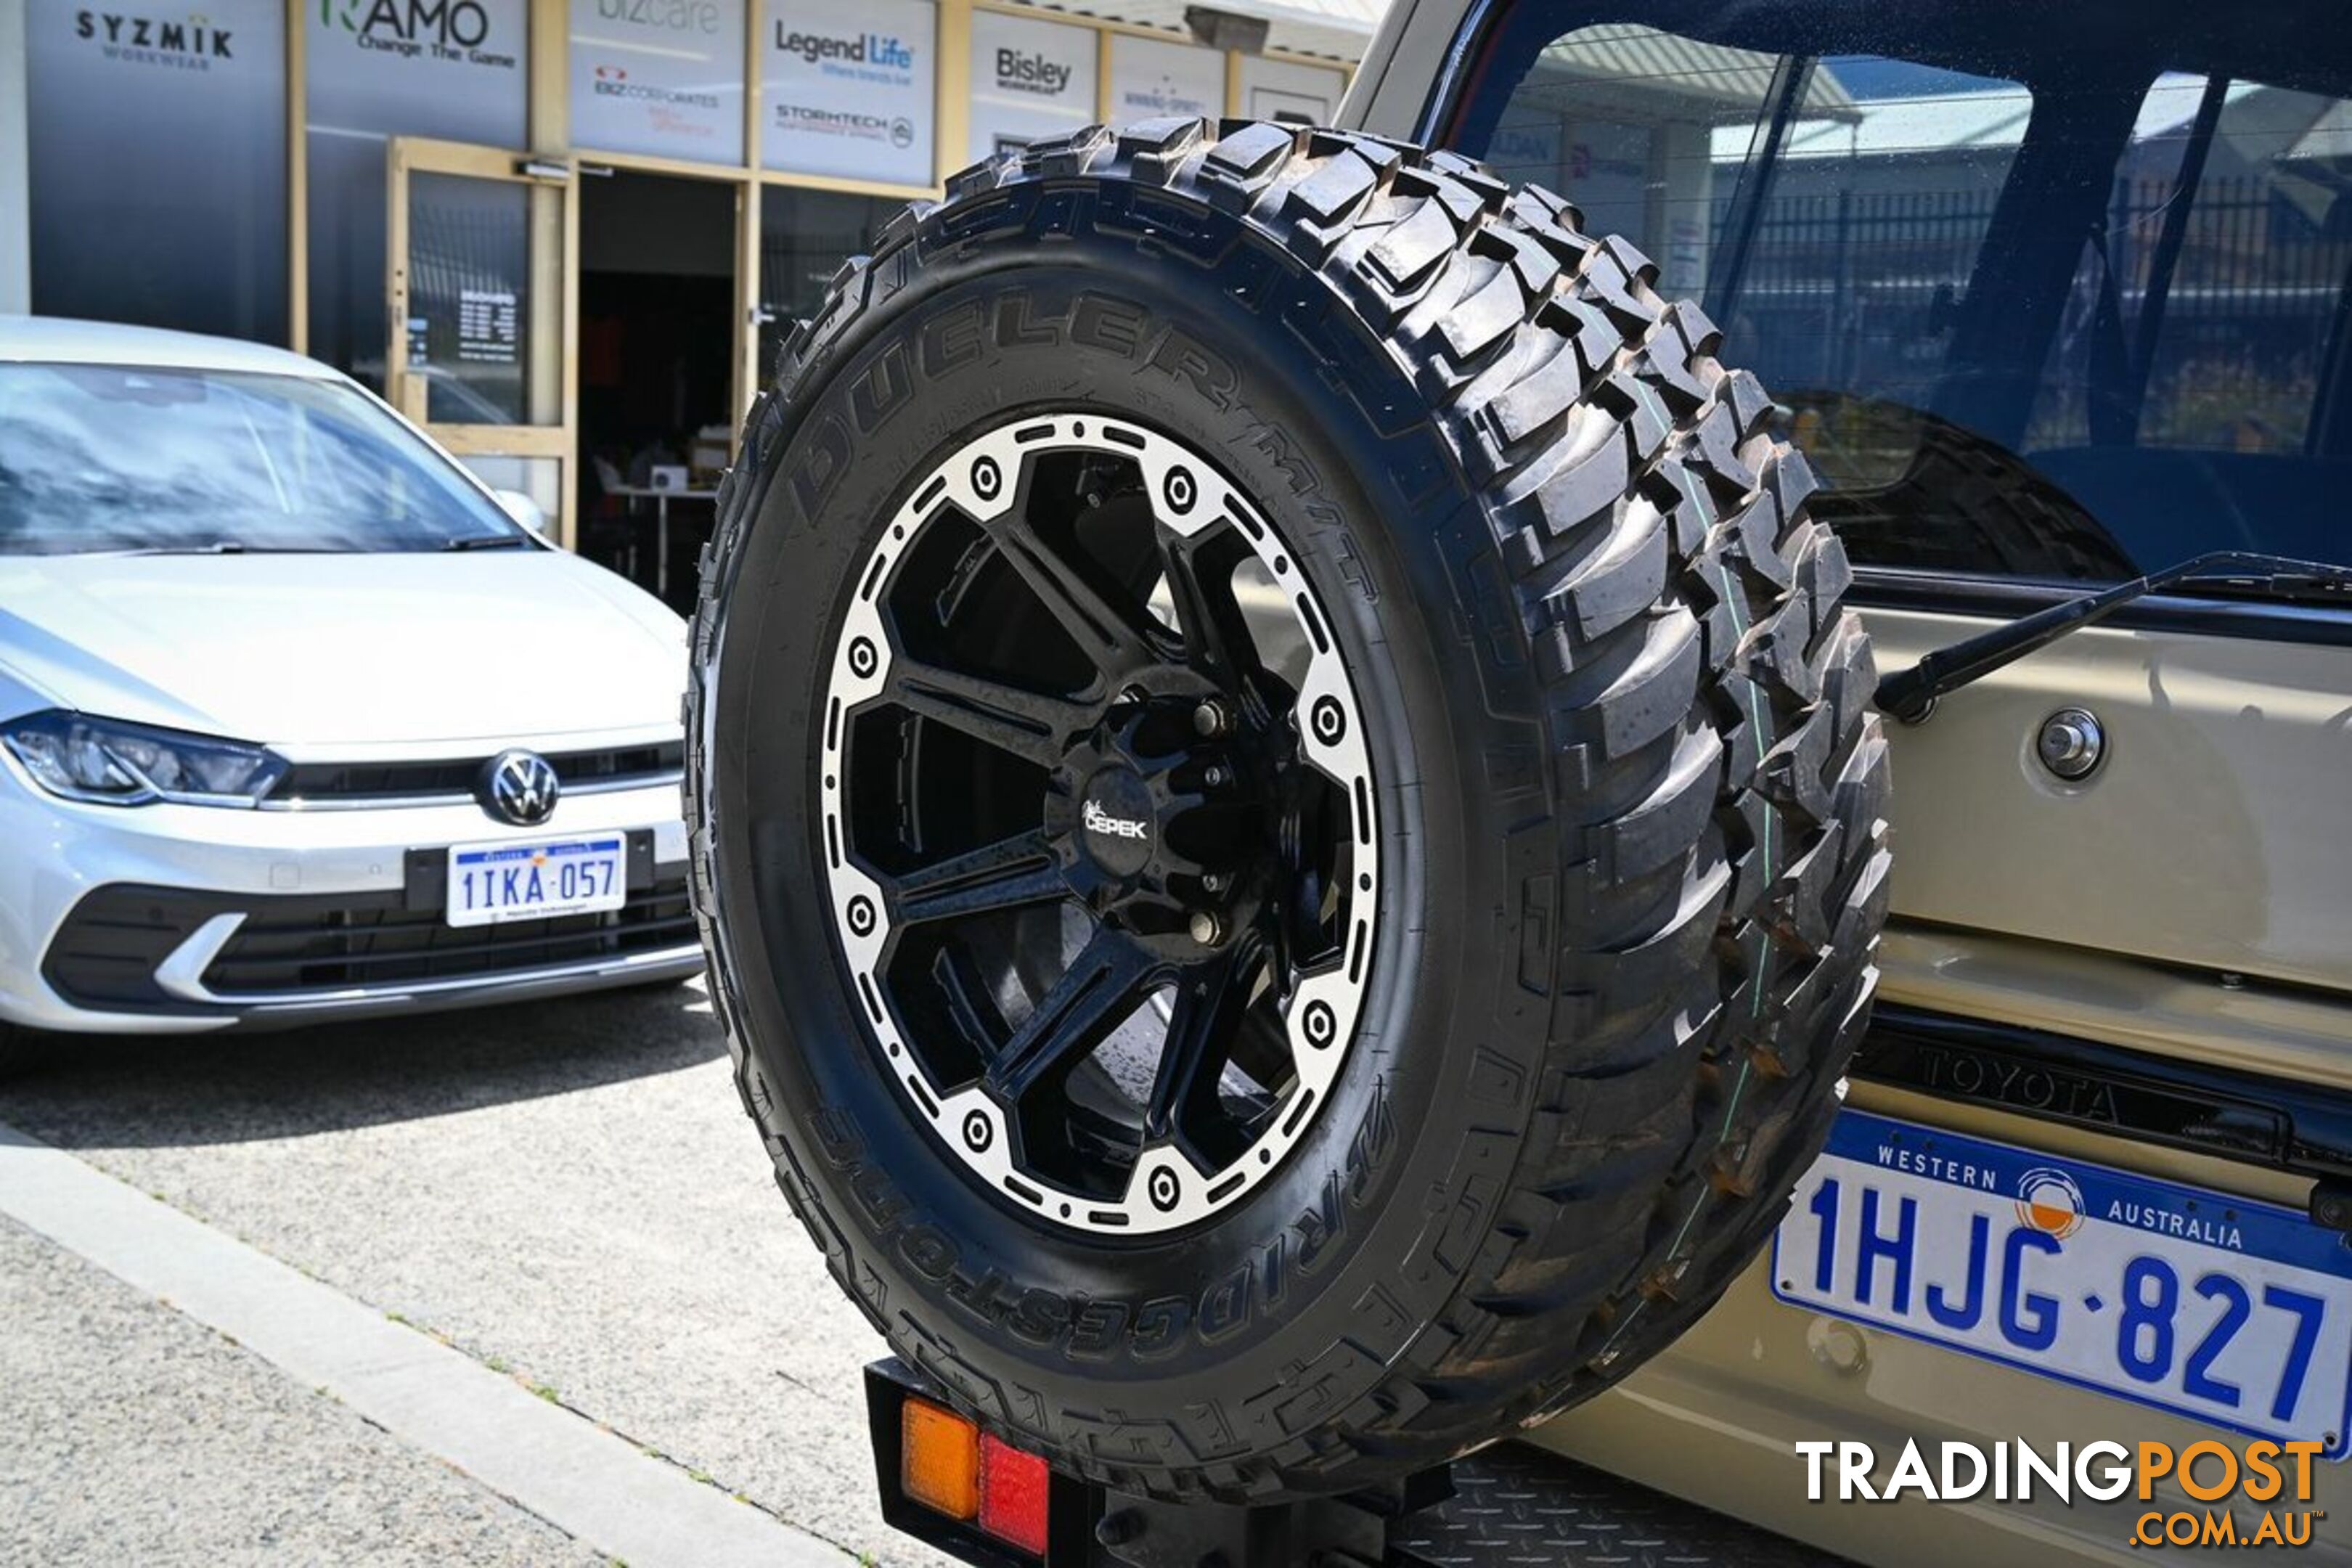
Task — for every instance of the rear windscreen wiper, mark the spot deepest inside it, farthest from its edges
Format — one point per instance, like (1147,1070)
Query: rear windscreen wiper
(1910,694)
(2301,580)
(216,547)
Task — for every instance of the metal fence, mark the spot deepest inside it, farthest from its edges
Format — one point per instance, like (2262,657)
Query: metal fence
(1854,290)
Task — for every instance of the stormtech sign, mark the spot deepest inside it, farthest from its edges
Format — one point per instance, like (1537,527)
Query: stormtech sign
(899,130)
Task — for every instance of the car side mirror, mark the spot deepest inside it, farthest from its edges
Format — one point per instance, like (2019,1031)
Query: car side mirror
(523,510)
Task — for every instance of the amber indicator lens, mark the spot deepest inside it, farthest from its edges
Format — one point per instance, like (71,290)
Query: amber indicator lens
(938,1459)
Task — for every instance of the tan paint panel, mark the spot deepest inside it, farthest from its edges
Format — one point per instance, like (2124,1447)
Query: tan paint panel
(2256,1027)
(2217,833)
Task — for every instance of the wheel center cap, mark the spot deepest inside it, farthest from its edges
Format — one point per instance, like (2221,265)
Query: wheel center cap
(1116,821)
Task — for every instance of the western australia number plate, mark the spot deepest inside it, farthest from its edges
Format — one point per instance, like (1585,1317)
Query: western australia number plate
(494,882)
(2232,1312)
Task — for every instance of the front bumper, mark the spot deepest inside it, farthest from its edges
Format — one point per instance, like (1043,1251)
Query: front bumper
(179,919)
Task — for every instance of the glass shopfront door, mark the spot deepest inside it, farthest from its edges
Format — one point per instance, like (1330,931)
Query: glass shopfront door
(480,311)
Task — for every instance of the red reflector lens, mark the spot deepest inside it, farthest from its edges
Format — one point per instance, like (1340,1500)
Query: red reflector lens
(1013,1493)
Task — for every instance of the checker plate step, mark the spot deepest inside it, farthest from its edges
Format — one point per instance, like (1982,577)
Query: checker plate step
(1516,1505)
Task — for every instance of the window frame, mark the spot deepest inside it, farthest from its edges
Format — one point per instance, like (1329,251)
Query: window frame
(1482,30)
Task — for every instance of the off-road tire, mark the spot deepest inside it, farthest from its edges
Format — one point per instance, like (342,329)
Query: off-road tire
(1633,792)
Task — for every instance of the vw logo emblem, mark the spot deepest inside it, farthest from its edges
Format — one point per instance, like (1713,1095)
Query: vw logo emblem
(521,787)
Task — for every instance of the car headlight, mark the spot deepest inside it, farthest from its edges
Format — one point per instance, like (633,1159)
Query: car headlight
(114,763)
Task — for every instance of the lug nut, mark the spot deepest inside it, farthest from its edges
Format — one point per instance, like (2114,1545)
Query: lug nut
(1211,720)
(1206,929)
(1215,775)
(1214,881)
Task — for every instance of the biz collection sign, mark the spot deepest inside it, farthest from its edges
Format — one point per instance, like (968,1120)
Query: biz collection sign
(1149,78)
(658,77)
(1030,79)
(848,88)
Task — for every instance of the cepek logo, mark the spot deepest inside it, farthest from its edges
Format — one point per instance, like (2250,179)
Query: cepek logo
(662,16)
(1019,70)
(1097,820)
(123,34)
(880,49)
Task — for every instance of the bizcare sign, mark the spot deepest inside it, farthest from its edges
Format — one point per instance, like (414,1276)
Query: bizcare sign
(1030,79)
(849,88)
(660,76)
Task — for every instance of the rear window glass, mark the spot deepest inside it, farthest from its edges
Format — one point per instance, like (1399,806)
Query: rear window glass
(2035,304)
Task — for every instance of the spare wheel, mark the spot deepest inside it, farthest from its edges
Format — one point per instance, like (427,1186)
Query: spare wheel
(1286,806)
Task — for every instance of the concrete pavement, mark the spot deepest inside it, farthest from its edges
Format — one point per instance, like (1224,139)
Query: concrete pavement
(138,1436)
(567,1193)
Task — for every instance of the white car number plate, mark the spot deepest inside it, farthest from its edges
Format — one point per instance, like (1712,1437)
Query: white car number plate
(494,882)
(2232,1312)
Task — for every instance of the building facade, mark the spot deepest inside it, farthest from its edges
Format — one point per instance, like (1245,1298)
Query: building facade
(562,234)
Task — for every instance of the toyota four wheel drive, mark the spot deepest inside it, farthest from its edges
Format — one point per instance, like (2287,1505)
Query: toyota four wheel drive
(1291,769)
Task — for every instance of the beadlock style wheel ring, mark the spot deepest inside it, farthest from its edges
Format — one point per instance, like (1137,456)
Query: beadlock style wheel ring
(1100,826)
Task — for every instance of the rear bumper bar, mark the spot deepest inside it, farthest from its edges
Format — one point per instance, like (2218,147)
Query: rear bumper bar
(1509,1505)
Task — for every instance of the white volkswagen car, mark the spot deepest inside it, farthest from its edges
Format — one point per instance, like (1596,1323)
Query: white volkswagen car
(297,720)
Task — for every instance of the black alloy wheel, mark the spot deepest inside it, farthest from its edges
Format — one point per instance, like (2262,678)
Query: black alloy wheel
(1102,823)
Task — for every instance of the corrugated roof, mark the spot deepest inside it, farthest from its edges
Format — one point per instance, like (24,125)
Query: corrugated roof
(2330,136)
(2171,103)
(1709,83)
(2264,124)
(1340,30)
(1936,122)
